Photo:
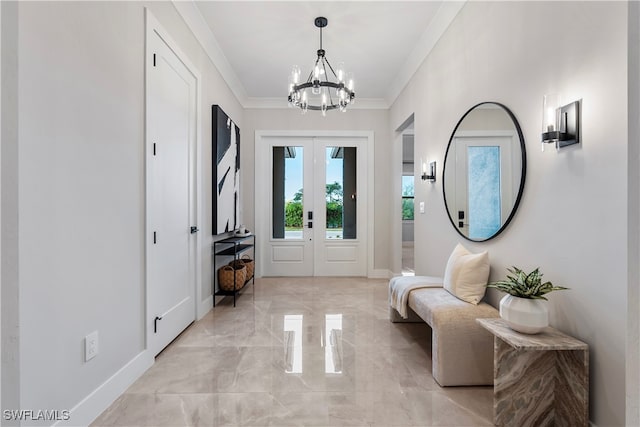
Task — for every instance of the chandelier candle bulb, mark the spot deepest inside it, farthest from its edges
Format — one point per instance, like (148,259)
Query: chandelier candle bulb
(340,72)
(295,74)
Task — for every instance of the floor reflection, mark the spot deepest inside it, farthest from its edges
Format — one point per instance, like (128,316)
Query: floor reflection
(333,343)
(293,343)
(299,352)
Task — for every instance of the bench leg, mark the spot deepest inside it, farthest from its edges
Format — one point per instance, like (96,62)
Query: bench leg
(395,317)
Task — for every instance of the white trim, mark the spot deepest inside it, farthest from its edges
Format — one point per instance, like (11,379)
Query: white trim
(444,17)
(200,29)
(89,408)
(198,25)
(371,148)
(204,307)
(260,219)
(154,26)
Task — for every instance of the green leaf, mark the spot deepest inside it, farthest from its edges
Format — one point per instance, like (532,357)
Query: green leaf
(525,285)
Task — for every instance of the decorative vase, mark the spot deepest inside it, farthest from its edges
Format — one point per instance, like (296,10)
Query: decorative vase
(529,316)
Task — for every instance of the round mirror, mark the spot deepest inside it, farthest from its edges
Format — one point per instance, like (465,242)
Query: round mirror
(484,171)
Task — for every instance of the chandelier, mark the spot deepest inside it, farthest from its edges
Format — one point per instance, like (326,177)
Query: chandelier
(324,93)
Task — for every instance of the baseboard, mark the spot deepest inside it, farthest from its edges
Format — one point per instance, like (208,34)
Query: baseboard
(204,307)
(85,412)
(380,274)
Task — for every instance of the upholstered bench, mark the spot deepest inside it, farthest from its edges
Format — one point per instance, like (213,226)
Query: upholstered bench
(462,350)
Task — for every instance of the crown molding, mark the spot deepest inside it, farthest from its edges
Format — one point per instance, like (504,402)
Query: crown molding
(446,14)
(200,29)
(198,26)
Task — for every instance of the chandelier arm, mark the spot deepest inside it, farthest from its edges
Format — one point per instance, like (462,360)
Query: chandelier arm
(330,67)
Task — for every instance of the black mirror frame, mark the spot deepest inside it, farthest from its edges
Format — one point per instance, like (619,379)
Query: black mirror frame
(522,180)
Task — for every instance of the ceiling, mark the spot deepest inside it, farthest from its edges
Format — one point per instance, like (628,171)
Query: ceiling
(254,44)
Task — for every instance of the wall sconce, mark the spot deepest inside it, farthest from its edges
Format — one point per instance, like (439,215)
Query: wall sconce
(432,173)
(560,124)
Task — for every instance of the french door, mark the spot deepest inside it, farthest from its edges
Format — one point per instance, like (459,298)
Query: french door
(313,206)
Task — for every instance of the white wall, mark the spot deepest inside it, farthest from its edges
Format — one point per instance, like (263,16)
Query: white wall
(10,292)
(633,304)
(80,180)
(353,119)
(572,221)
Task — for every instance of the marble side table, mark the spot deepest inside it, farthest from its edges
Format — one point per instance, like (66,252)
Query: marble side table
(538,380)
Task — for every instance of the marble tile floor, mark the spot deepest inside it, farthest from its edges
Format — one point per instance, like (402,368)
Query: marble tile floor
(299,352)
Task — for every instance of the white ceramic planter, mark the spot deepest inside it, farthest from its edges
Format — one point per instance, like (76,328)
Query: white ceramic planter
(529,316)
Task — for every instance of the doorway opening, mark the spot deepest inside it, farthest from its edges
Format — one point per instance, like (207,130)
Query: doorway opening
(407,200)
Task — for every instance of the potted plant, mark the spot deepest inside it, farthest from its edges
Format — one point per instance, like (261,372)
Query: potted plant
(524,307)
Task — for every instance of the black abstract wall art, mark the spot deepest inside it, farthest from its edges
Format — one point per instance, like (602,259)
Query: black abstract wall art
(226,172)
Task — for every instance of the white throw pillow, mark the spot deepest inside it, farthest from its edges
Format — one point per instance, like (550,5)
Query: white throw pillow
(466,274)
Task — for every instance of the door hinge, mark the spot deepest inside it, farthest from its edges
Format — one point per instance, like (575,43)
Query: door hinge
(154,59)
(154,238)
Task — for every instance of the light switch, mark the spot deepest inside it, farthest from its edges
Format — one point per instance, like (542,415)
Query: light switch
(421,207)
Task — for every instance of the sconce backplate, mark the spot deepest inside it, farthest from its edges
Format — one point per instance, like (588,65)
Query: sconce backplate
(569,124)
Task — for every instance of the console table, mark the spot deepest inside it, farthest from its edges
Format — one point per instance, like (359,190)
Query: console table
(538,380)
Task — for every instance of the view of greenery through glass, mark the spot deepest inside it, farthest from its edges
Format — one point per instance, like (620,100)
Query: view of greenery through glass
(407,197)
(294,214)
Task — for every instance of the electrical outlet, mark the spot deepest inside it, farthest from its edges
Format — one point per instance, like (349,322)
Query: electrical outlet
(90,346)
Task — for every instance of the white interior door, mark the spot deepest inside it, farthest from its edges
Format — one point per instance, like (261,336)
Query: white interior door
(312,203)
(484,183)
(171,142)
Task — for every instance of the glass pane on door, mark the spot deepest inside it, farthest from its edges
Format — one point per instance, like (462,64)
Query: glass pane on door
(287,192)
(407,197)
(340,193)
(484,191)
